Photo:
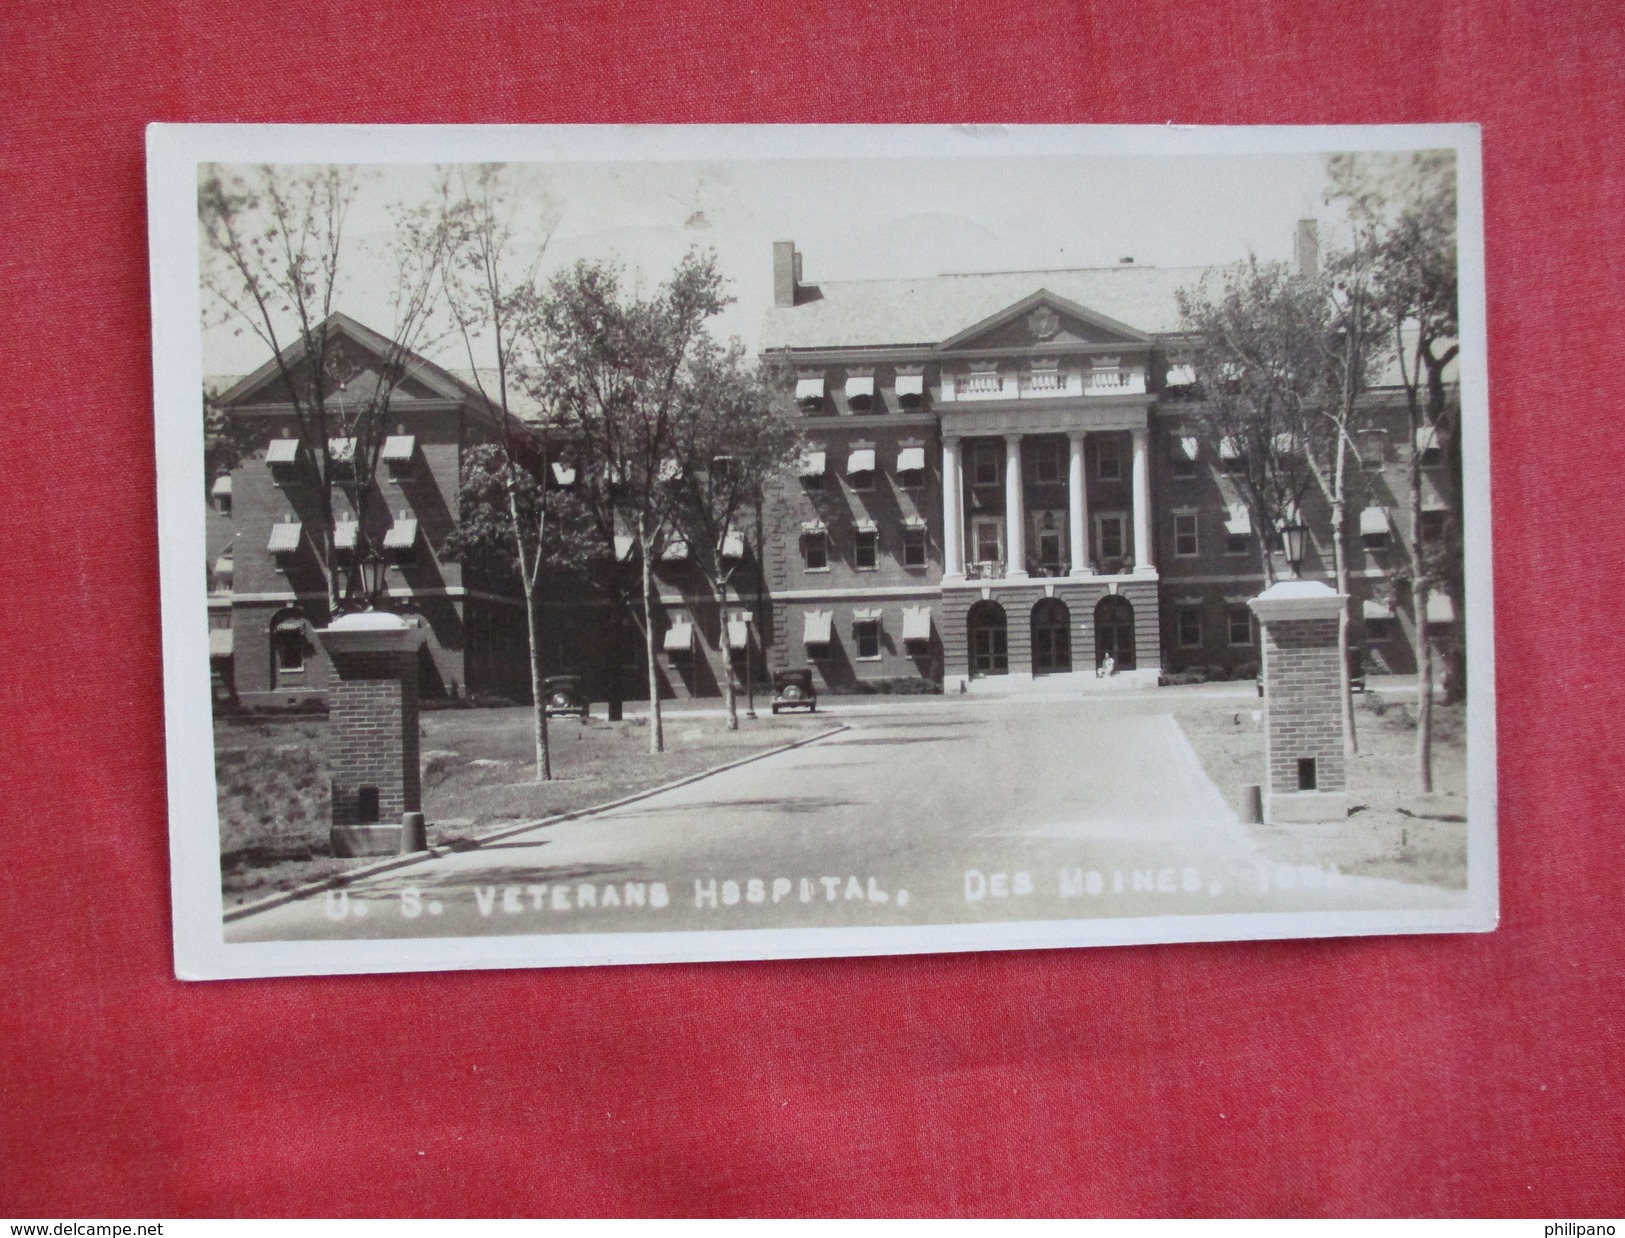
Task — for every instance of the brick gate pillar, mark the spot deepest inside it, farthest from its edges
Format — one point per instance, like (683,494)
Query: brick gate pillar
(372,712)
(1305,778)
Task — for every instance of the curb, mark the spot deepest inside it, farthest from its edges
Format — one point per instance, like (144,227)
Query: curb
(337,880)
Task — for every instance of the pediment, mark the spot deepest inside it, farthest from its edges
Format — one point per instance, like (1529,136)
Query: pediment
(1044,320)
(356,359)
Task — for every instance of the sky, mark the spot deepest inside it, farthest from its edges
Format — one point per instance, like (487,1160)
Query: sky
(851,218)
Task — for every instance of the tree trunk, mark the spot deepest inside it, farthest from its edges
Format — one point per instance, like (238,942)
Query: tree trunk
(657,734)
(544,757)
(1424,693)
(1340,569)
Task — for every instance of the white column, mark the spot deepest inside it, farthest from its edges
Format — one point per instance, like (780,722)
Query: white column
(1142,503)
(1077,516)
(953,511)
(1015,511)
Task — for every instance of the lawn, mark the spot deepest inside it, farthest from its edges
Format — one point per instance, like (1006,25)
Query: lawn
(477,764)
(1392,830)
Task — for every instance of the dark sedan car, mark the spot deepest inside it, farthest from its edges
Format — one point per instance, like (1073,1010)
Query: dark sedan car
(563,696)
(794,690)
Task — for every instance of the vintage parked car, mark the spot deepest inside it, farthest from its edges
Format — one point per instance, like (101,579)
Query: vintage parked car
(794,690)
(563,696)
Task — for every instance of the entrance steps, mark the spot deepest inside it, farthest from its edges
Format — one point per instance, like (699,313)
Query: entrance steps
(1085,683)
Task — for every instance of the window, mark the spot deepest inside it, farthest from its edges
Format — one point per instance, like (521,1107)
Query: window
(1183,469)
(815,552)
(1109,459)
(1373,450)
(1427,447)
(1307,779)
(1238,530)
(989,541)
(1185,535)
(985,460)
(1111,537)
(863,481)
(910,391)
(1380,628)
(1189,620)
(1182,457)
(1050,541)
(860,393)
(1238,543)
(288,647)
(1431,528)
(866,635)
(911,467)
(1232,458)
(1241,625)
(220,492)
(1374,528)
(866,550)
(1047,462)
(913,547)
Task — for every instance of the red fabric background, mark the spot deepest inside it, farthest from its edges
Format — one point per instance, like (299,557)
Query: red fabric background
(1460,1075)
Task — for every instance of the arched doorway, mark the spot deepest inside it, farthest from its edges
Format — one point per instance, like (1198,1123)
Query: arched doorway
(1052,637)
(1114,632)
(989,649)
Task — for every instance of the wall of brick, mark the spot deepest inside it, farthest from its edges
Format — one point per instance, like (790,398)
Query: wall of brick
(1301,690)
(373,735)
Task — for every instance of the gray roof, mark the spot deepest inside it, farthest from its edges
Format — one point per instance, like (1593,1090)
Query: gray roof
(878,312)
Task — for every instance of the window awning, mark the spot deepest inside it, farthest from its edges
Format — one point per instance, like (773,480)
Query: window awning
(867,614)
(564,474)
(733,545)
(224,567)
(290,623)
(344,535)
(282,451)
(341,450)
(910,459)
(916,623)
(914,522)
(670,470)
(1432,500)
(862,460)
(910,384)
(738,634)
(1373,521)
(812,463)
(679,638)
(1229,449)
(812,526)
(810,388)
(222,486)
(398,448)
(1439,608)
(676,549)
(624,545)
(220,642)
(1185,448)
(1373,609)
(864,524)
(860,384)
(1240,521)
(285,537)
(1284,444)
(1181,375)
(816,626)
(402,535)
(1427,438)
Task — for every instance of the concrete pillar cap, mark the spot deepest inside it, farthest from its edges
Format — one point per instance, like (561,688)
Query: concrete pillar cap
(371,631)
(1298,599)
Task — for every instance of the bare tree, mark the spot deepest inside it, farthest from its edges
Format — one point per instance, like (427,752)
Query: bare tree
(492,293)
(616,367)
(735,432)
(274,245)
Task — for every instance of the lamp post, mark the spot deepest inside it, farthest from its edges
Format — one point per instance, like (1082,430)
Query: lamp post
(1293,536)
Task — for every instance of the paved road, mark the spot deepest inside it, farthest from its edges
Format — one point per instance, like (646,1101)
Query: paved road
(926,812)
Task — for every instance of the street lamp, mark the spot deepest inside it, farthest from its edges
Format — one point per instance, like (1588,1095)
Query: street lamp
(373,569)
(1292,537)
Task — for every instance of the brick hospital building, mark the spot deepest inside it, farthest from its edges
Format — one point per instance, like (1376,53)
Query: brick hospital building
(1001,477)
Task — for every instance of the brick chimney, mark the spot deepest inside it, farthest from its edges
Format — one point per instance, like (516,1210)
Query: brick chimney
(1307,248)
(786,272)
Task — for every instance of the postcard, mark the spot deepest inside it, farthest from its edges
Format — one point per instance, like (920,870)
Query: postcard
(636,544)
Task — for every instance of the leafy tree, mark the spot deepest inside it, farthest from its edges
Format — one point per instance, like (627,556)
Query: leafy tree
(1255,334)
(735,431)
(273,240)
(1407,202)
(617,367)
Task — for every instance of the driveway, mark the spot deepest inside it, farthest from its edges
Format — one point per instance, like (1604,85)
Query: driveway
(921,812)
